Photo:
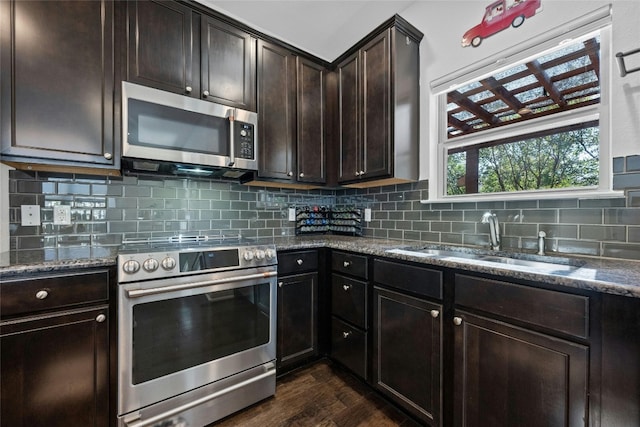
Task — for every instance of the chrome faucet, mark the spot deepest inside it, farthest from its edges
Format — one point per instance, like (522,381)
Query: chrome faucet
(494,229)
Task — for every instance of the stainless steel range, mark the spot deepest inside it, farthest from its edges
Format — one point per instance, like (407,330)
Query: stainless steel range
(196,329)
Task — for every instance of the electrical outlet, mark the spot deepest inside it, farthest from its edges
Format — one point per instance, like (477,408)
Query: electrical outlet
(367,215)
(292,214)
(62,215)
(30,214)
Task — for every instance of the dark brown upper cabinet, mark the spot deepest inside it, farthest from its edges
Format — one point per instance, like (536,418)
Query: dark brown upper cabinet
(57,84)
(276,112)
(311,134)
(175,48)
(228,65)
(291,113)
(378,107)
(162,50)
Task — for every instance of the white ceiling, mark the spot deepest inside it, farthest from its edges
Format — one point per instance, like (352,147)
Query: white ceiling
(324,28)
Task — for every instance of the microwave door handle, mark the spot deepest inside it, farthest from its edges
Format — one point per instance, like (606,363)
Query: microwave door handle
(232,140)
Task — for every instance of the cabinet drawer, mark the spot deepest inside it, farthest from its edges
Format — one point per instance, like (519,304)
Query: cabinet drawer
(349,300)
(349,346)
(33,295)
(559,311)
(297,262)
(351,264)
(417,280)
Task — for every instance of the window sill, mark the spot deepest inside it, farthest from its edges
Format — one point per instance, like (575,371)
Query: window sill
(530,195)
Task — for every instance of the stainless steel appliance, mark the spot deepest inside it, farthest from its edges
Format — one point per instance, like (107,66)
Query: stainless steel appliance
(173,134)
(196,329)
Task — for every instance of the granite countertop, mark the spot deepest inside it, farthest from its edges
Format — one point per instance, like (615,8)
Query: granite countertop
(618,277)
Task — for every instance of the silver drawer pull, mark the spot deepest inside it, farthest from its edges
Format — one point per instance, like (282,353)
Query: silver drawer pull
(280,284)
(346,335)
(101,318)
(457,321)
(346,264)
(346,287)
(299,261)
(42,294)
(435,313)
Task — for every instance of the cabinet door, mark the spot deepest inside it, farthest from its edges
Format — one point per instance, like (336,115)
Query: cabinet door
(276,111)
(310,112)
(228,65)
(55,370)
(509,376)
(407,352)
(349,118)
(161,46)
(57,81)
(349,346)
(376,102)
(297,318)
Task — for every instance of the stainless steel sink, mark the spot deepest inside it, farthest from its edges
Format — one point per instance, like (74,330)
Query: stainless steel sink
(538,263)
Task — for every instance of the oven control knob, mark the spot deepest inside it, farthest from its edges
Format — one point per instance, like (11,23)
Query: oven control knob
(168,263)
(248,255)
(130,267)
(150,265)
(270,253)
(260,254)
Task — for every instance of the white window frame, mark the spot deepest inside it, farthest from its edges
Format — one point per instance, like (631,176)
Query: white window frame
(582,28)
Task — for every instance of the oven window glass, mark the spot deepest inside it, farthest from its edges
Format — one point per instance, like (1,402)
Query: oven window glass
(176,334)
(160,126)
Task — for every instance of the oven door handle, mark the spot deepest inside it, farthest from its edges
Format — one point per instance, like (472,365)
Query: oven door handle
(197,402)
(138,293)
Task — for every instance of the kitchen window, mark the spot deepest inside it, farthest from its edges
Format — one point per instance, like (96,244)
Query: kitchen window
(535,125)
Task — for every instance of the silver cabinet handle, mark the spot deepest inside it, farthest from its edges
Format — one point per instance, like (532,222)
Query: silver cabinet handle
(346,287)
(361,173)
(108,156)
(346,335)
(101,318)
(290,173)
(280,284)
(188,89)
(42,294)
(435,313)
(457,321)
(300,261)
(301,175)
(205,93)
(346,264)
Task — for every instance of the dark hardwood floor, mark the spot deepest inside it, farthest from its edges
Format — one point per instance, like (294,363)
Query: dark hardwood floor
(320,395)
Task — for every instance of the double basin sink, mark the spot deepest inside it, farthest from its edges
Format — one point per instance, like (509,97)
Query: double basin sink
(539,263)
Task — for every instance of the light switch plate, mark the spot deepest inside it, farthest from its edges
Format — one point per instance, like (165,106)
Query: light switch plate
(62,215)
(30,214)
(367,215)
(292,214)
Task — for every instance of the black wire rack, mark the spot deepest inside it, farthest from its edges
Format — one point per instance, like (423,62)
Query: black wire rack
(324,219)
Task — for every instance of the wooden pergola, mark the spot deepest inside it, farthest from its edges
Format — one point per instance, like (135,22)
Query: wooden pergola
(564,80)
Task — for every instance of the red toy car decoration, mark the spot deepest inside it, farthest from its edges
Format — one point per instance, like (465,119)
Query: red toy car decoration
(498,16)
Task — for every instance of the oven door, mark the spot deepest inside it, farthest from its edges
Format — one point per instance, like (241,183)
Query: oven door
(177,334)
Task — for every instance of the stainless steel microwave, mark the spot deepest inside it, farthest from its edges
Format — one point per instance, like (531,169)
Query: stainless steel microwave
(163,130)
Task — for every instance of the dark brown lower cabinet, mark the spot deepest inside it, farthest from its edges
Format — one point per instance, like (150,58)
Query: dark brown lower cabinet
(55,370)
(297,318)
(407,345)
(349,346)
(510,376)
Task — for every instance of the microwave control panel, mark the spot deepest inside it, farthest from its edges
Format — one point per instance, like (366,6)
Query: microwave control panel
(245,140)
